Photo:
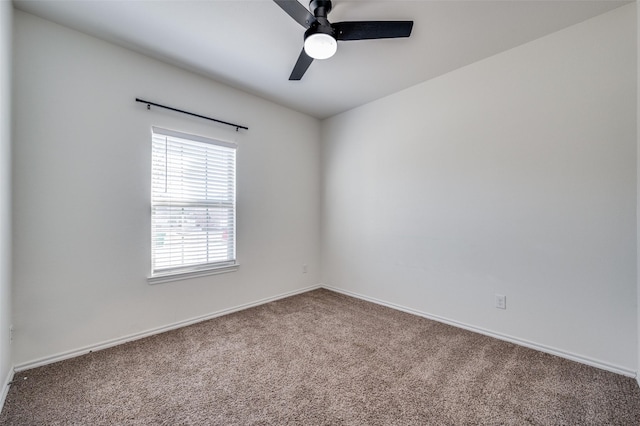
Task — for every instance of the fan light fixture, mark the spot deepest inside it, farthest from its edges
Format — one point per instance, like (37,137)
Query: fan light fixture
(320,46)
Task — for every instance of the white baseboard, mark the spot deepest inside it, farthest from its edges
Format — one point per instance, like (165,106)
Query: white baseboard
(114,342)
(5,387)
(532,345)
(120,340)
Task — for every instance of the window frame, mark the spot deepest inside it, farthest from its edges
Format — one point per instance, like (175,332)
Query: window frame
(191,270)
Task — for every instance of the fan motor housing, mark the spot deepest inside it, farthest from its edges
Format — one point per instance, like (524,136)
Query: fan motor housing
(317,27)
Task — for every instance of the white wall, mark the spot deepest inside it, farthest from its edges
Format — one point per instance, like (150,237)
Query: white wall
(6,19)
(82,190)
(638,175)
(514,175)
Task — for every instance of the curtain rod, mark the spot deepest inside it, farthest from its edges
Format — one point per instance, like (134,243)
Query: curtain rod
(237,126)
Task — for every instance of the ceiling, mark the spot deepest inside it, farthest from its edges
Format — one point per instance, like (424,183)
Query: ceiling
(253,44)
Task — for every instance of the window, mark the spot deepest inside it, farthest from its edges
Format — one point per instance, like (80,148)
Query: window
(193,204)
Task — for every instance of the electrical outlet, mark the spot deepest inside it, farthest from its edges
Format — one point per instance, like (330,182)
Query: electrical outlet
(501,301)
(305,268)
(11,334)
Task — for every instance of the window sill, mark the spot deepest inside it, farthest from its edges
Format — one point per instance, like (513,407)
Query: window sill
(176,276)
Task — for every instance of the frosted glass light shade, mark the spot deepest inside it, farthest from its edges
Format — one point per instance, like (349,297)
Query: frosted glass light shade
(320,46)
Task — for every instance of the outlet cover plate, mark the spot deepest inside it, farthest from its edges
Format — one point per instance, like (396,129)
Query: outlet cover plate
(501,301)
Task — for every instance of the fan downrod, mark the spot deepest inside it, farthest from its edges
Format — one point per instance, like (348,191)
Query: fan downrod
(320,8)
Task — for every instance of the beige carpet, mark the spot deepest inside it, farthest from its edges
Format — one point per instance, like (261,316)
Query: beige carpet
(320,358)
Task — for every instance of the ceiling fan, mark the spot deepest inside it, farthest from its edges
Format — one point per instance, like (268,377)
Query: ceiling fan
(321,37)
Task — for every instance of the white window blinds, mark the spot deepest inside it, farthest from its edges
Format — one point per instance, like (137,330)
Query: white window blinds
(193,202)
